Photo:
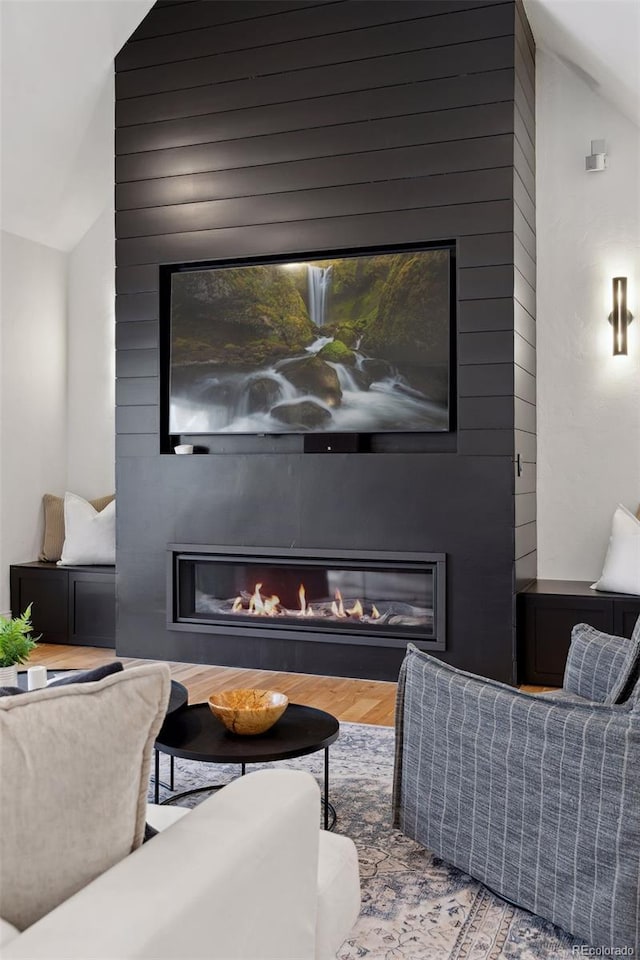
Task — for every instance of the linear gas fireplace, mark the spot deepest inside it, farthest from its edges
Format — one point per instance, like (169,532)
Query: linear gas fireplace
(372,598)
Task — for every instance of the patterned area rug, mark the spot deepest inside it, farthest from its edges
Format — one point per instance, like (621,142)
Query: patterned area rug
(414,906)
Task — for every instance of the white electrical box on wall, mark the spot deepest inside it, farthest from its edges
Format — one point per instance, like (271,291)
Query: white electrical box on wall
(597,159)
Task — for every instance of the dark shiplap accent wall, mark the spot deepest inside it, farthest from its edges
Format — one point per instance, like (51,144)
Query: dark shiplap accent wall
(258,128)
(524,259)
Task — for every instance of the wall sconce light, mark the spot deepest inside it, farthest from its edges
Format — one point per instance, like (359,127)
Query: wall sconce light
(620,317)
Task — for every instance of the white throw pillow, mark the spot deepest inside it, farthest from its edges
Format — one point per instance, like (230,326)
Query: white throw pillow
(621,573)
(90,535)
(74,775)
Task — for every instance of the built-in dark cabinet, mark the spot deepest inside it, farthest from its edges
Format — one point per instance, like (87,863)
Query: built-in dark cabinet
(547,611)
(70,604)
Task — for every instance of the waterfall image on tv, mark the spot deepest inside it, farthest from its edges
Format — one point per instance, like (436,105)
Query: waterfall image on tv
(355,344)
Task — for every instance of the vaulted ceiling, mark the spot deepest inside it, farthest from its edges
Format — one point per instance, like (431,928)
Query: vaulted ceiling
(57,96)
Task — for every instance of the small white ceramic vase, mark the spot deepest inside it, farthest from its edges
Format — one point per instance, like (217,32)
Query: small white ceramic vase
(9,676)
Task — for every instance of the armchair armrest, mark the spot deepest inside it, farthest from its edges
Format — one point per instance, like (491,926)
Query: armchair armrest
(236,878)
(600,667)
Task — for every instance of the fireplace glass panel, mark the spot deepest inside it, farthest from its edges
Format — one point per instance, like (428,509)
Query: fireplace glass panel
(392,601)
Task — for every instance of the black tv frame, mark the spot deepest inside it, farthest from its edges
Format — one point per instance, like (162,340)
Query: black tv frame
(354,442)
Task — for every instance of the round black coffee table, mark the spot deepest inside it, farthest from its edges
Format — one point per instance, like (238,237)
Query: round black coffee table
(193,733)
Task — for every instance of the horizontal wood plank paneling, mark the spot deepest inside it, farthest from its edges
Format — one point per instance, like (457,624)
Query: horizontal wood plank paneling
(197,17)
(409,225)
(524,262)
(134,280)
(257,60)
(524,232)
(524,354)
(486,413)
(525,172)
(137,335)
(524,293)
(524,137)
(526,510)
(135,391)
(526,570)
(525,107)
(137,363)
(455,188)
(523,30)
(485,443)
(253,129)
(524,415)
(525,298)
(525,203)
(486,380)
(494,347)
(486,250)
(526,446)
(135,307)
(485,283)
(448,65)
(362,167)
(137,419)
(525,385)
(525,539)
(324,111)
(524,324)
(193,15)
(486,314)
(526,482)
(291,25)
(136,445)
(311,142)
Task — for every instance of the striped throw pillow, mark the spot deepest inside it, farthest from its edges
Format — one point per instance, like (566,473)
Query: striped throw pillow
(599,666)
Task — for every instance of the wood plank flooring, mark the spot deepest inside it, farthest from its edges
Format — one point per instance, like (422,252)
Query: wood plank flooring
(352,701)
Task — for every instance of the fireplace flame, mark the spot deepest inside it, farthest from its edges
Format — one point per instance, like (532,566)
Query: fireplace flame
(263,606)
(258,605)
(356,610)
(337,607)
(303,602)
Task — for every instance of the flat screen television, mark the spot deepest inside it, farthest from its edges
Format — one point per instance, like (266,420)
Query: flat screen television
(356,343)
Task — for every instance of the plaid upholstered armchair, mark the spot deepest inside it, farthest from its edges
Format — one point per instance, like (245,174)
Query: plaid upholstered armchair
(537,796)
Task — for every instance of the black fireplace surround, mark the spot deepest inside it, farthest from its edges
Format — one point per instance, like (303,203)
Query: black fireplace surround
(249,131)
(370,598)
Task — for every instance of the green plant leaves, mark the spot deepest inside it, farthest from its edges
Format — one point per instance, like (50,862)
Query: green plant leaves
(16,640)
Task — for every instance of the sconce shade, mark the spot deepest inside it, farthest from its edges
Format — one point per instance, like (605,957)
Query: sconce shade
(620,316)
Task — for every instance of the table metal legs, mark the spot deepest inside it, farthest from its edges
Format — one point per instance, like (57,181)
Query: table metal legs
(329,811)
(156,777)
(328,807)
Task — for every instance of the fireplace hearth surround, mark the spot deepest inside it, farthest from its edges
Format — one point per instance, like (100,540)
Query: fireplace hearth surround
(373,598)
(358,125)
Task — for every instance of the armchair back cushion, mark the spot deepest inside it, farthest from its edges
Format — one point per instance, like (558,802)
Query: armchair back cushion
(600,666)
(536,798)
(74,773)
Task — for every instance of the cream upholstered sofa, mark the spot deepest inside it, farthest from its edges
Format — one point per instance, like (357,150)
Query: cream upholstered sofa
(247,874)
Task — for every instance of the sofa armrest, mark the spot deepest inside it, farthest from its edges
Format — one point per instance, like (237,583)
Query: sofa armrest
(600,667)
(236,878)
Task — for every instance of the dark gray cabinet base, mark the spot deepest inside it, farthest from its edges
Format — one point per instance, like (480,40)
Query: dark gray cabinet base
(70,604)
(548,609)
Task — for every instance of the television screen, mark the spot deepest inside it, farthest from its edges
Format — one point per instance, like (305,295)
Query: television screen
(355,343)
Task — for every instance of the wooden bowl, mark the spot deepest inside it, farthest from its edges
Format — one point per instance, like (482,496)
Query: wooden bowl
(248,712)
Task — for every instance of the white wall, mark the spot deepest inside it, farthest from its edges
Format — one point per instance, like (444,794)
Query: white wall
(32,395)
(588,231)
(91,362)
